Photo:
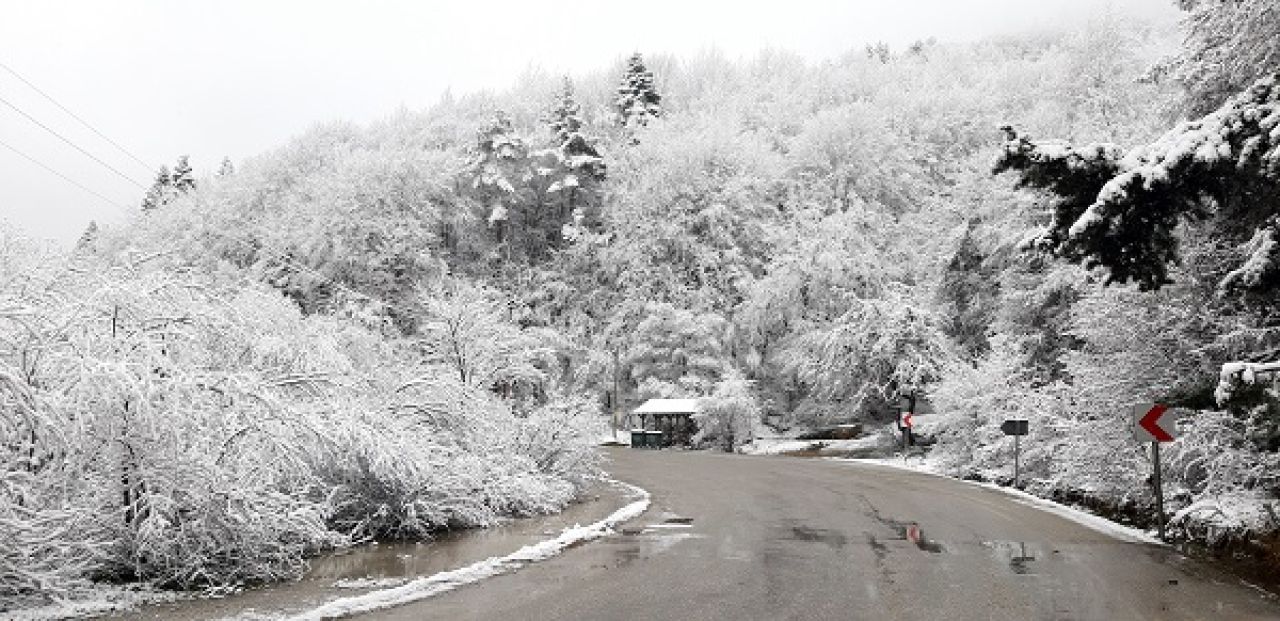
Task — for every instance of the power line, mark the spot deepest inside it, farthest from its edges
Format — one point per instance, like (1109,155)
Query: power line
(279,255)
(77,117)
(64,177)
(72,144)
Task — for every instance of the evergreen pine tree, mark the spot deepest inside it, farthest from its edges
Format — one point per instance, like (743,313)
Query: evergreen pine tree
(226,169)
(161,190)
(968,294)
(183,179)
(499,172)
(637,100)
(578,167)
(1121,211)
(88,239)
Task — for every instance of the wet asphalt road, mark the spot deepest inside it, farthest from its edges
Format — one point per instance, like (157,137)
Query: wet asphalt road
(788,538)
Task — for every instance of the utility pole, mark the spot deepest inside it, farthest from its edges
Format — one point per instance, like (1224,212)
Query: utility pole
(906,429)
(614,400)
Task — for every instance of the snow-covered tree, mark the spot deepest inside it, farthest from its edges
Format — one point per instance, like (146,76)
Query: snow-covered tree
(468,331)
(637,99)
(161,191)
(499,166)
(184,179)
(1120,211)
(878,350)
(226,168)
(969,294)
(1230,45)
(850,155)
(88,241)
(677,353)
(169,185)
(729,415)
(574,165)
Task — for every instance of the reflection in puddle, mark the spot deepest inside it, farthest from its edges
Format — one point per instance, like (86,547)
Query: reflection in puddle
(912,532)
(909,531)
(1015,554)
(640,543)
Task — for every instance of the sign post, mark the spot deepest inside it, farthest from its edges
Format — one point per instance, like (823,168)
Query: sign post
(906,422)
(1154,423)
(1016,427)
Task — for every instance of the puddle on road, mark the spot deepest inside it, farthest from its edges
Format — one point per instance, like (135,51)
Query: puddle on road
(907,531)
(373,566)
(833,538)
(877,547)
(640,542)
(1017,555)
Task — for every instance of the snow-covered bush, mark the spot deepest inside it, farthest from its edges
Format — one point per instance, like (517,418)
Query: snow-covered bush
(559,435)
(729,416)
(1227,518)
(49,543)
(195,431)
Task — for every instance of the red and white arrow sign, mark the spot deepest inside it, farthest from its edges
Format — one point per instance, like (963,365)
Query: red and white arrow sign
(906,420)
(1154,422)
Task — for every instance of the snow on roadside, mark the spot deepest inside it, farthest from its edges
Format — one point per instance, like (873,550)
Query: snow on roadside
(97,600)
(607,439)
(778,446)
(429,586)
(1079,516)
(368,583)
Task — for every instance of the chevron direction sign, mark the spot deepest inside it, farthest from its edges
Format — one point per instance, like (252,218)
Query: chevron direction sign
(1154,422)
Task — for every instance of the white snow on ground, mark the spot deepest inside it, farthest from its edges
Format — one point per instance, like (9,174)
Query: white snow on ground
(778,446)
(1233,512)
(1084,518)
(369,583)
(442,582)
(96,600)
(624,438)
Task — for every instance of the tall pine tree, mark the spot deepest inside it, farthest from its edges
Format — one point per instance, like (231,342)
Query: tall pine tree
(578,167)
(637,101)
(499,172)
(1121,211)
(161,191)
(184,179)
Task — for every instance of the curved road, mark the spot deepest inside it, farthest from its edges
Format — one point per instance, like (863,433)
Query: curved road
(784,538)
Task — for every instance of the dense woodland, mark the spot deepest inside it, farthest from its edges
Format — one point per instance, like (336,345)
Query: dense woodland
(424,323)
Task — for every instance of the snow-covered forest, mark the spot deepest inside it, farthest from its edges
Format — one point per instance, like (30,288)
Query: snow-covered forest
(380,331)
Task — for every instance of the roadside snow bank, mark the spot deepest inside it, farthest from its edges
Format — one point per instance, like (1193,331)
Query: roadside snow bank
(96,600)
(429,586)
(1083,518)
(780,446)
(1239,515)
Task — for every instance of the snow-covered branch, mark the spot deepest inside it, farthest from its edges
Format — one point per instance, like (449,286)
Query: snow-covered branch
(1235,375)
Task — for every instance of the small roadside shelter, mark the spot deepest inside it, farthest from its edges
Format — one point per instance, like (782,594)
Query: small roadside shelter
(673,417)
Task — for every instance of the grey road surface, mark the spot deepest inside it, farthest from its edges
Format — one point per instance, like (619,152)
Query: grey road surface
(789,538)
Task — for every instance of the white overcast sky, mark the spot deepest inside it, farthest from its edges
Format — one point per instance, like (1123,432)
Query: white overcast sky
(234,78)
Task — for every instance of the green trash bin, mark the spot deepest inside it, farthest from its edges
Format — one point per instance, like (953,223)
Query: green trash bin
(639,438)
(655,439)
